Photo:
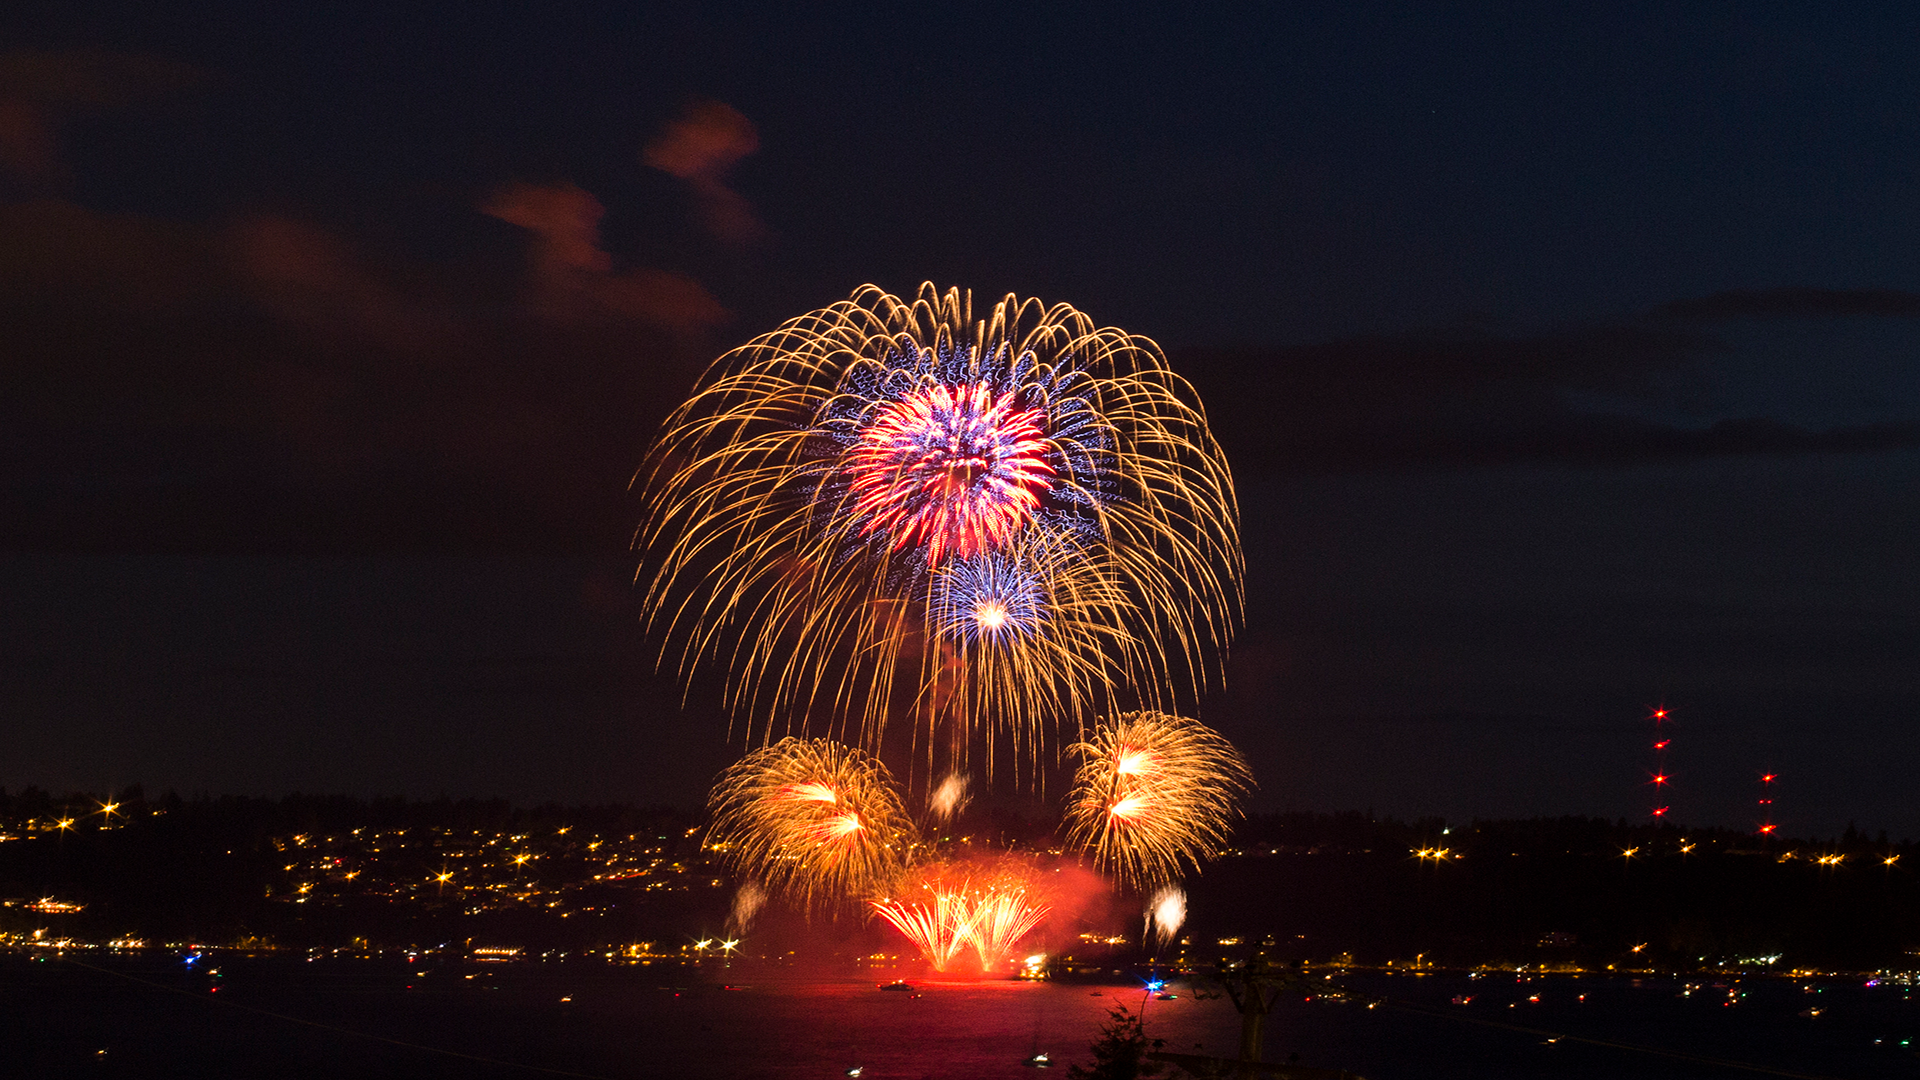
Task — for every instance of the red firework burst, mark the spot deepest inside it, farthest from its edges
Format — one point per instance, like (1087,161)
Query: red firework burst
(958,468)
(947,909)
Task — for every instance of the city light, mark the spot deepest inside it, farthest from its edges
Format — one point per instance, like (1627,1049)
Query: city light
(325,868)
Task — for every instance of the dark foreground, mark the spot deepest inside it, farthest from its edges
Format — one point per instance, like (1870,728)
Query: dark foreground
(366,1019)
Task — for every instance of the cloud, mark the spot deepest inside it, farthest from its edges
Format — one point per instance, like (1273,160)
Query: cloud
(573,278)
(566,221)
(1794,303)
(1601,439)
(40,89)
(700,148)
(60,252)
(27,148)
(306,275)
(270,385)
(1477,398)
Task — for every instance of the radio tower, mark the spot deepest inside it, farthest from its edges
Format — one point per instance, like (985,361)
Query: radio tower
(1766,803)
(1659,775)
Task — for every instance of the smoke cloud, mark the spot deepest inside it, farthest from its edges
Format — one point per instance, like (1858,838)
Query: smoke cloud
(701,148)
(573,280)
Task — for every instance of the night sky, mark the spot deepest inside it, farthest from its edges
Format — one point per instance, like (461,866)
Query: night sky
(1566,364)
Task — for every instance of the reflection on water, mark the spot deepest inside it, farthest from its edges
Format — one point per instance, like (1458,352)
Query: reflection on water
(588,1019)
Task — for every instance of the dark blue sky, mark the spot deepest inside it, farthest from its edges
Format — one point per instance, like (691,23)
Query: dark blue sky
(1566,362)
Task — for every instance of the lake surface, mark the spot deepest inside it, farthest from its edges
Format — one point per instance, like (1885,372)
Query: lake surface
(365,1019)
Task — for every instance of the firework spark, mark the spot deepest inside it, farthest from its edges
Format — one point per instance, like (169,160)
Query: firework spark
(893,508)
(1153,790)
(747,901)
(948,799)
(956,468)
(938,923)
(811,817)
(1165,913)
(946,910)
(1002,915)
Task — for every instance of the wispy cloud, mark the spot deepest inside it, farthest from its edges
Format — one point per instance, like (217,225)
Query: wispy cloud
(573,279)
(1479,398)
(41,89)
(701,148)
(1794,303)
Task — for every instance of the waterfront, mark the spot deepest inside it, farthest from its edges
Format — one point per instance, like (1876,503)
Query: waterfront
(154,1016)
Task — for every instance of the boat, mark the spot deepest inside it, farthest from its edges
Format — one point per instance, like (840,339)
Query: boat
(1038,1061)
(899,984)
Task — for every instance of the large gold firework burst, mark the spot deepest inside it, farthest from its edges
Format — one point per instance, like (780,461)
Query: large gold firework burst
(1153,790)
(817,820)
(893,508)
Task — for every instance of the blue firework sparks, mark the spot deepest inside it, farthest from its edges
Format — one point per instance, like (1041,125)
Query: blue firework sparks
(990,598)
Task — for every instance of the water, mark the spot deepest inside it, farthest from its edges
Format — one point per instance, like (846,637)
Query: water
(488,1020)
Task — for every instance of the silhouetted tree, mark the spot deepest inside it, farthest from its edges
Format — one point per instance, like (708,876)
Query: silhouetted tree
(1119,1052)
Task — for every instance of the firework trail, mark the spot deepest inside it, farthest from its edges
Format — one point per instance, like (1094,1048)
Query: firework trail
(1002,915)
(946,909)
(1153,790)
(1165,914)
(892,507)
(948,799)
(939,923)
(810,817)
(747,901)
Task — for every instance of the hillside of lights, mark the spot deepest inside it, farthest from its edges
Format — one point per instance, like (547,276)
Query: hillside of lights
(312,876)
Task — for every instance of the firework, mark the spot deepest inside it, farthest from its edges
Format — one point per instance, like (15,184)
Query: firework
(938,923)
(1002,915)
(945,910)
(811,817)
(1165,913)
(893,508)
(747,901)
(948,799)
(1153,790)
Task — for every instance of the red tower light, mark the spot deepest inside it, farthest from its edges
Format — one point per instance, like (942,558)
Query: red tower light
(1658,773)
